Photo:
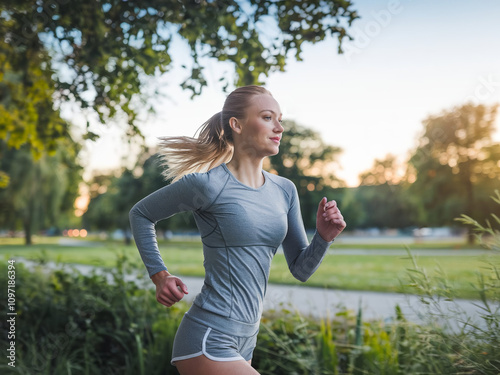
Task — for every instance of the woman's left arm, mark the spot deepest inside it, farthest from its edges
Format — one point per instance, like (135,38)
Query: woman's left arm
(304,258)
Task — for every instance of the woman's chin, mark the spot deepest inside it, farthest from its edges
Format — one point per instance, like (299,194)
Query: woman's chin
(274,152)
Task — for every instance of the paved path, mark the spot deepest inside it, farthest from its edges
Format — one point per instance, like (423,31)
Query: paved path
(323,303)
(318,302)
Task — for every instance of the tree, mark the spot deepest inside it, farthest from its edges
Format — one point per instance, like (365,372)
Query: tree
(111,200)
(384,171)
(455,160)
(384,206)
(100,54)
(309,163)
(41,192)
(27,113)
(381,200)
(352,208)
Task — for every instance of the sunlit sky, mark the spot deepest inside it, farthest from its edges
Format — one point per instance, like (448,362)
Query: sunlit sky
(409,60)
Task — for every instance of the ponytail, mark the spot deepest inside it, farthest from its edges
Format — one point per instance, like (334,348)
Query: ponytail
(184,155)
(214,144)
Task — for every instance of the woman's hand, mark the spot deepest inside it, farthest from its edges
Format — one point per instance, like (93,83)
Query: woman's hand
(169,289)
(329,220)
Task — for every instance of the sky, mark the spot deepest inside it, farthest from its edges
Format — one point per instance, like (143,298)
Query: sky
(410,59)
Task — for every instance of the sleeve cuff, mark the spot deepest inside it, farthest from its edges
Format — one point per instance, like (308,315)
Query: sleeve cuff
(320,239)
(155,270)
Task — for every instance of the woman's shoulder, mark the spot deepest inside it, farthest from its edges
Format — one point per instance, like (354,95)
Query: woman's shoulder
(199,188)
(208,182)
(282,182)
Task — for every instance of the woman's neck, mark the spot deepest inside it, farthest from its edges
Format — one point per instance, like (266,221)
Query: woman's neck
(247,170)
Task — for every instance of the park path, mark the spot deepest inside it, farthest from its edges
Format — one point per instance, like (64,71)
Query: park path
(312,301)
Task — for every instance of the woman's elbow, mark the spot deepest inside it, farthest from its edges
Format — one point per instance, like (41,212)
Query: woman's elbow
(134,213)
(300,274)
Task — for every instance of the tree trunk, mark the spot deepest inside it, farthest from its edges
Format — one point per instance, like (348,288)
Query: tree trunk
(128,237)
(27,232)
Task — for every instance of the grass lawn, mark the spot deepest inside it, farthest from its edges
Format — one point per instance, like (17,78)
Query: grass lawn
(358,272)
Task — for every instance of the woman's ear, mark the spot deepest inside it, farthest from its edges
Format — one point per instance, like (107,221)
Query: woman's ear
(235,125)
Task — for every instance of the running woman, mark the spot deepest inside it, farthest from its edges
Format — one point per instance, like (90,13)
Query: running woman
(243,214)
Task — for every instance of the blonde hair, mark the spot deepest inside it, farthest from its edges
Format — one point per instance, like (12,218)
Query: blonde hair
(214,143)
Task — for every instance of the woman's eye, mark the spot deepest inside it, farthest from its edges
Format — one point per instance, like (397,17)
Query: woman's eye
(267,117)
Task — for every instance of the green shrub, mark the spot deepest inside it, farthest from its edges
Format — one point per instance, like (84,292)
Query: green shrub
(68,323)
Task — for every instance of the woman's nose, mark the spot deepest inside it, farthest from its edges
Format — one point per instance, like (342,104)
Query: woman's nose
(278,127)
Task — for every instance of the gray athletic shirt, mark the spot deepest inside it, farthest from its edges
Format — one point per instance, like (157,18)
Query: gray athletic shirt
(241,228)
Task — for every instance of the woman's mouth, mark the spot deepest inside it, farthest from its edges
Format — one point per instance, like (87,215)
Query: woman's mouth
(276,139)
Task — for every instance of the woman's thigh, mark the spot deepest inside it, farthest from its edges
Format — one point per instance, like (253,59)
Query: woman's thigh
(203,365)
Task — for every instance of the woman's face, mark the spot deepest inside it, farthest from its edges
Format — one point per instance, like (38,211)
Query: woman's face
(261,130)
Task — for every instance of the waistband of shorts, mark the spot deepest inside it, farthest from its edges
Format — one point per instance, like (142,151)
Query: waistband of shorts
(222,323)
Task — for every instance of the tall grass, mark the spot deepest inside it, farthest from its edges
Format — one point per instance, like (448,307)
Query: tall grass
(292,344)
(451,340)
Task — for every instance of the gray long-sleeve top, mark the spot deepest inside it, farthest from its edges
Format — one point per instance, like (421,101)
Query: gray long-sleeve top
(241,229)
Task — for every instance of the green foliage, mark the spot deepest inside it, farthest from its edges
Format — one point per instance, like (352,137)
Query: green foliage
(88,325)
(352,208)
(40,192)
(27,113)
(381,206)
(4,180)
(456,163)
(382,199)
(327,355)
(286,345)
(104,52)
(292,344)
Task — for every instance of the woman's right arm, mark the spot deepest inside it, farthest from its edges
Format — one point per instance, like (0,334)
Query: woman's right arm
(187,194)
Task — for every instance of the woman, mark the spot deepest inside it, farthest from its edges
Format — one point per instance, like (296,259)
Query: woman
(243,214)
